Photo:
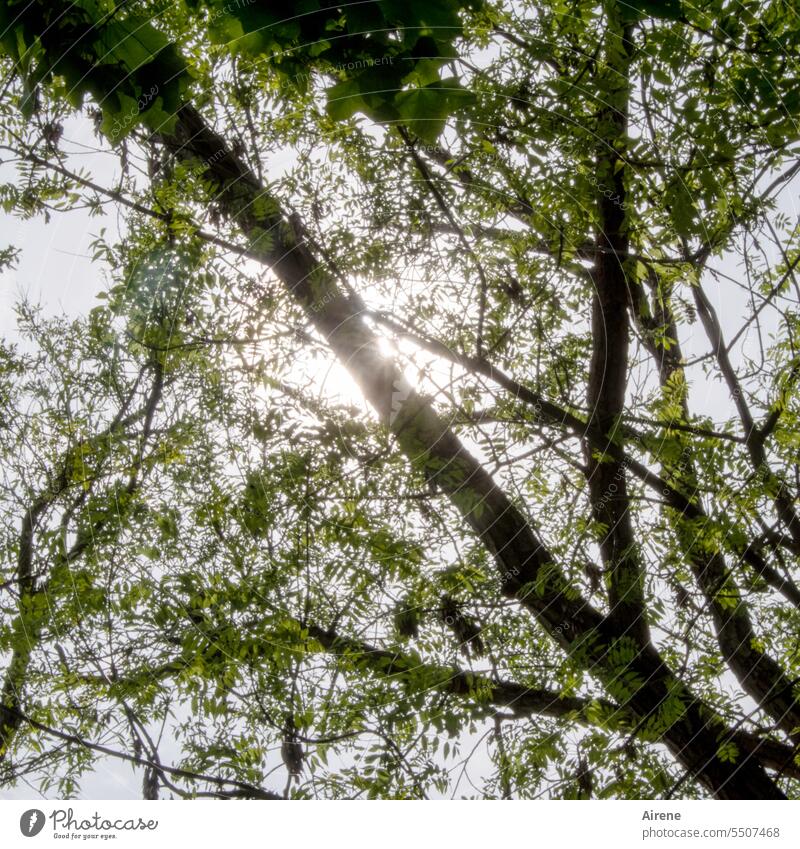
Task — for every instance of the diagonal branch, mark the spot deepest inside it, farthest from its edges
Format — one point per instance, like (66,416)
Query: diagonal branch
(527,570)
(755,437)
(758,673)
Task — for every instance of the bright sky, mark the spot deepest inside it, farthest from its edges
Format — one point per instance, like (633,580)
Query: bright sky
(55,269)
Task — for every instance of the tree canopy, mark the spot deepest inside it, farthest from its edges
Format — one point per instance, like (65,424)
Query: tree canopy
(435,432)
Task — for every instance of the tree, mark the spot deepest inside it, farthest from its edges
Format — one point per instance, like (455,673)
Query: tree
(539,540)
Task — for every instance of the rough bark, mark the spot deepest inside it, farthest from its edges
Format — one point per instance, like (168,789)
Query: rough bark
(608,371)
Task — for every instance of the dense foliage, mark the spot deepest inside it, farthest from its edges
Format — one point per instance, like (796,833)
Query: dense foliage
(407,451)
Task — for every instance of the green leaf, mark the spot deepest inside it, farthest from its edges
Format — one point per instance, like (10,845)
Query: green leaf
(669,9)
(344,100)
(426,110)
